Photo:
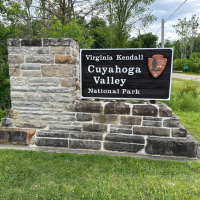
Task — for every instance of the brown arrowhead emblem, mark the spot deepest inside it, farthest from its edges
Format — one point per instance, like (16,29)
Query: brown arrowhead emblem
(157,65)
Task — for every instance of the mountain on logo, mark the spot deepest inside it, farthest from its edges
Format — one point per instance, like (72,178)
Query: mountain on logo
(156,65)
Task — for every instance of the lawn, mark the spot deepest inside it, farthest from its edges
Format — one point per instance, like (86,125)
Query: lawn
(41,175)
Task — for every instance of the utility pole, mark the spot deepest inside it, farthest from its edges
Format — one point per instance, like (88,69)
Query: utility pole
(162,33)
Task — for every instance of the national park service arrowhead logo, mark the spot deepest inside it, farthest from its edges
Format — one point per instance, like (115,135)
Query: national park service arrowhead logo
(157,65)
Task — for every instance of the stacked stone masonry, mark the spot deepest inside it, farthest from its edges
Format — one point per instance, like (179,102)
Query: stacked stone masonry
(46,109)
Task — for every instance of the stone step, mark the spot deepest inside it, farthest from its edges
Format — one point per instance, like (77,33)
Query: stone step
(54,134)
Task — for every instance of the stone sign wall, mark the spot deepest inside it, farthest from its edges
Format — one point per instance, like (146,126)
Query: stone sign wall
(47,111)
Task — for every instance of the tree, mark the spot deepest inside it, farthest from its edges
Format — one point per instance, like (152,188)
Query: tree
(125,15)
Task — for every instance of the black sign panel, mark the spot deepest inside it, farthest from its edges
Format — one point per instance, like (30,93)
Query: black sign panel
(126,73)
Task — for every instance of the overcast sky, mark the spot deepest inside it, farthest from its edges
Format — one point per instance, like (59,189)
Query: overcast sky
(164,8)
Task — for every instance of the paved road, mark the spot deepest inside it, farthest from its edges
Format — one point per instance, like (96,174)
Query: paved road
(184,76)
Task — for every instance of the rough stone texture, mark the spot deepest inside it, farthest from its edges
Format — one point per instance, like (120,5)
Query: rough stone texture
(31,42)
(15,59)
(121,129)
(152,123)
(84,117)
(60,42)
(124,138)
(164,110)
(39,50)
(51,142)
(95,127)
(14,70)
(14,42)
(152,118)
(106,119)
(66,127)
(11,114)
(57,50)
(151,131)
(23,89)
(16,136)
(129,120)
(43,81)
(7,122)
(172,122)
(145,110)
(56,71)
(25,104)
(127,147)
(32,73)
(28,66)
(18,50)
(30,123)
(17,96)
(117,108)
(179,132)
(40,97)
(88,107)
(172,147)
(64,59)
(55,134)
(18,81)
(84,144)
(46,59)
(86,135)
(67,82)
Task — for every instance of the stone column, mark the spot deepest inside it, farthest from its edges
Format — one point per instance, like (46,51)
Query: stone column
(43,78)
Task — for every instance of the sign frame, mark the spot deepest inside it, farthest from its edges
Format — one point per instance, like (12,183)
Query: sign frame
(117,98)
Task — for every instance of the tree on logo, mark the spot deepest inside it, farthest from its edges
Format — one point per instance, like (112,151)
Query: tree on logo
(154,65)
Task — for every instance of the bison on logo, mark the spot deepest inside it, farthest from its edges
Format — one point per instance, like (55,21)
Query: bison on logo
(157,65)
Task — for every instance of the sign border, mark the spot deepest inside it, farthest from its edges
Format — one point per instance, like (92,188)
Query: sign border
(172,49)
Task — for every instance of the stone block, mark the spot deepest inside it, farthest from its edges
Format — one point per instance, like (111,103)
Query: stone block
(86,135)
(172,147)
(58,42)
(54,134)
(53,105)
(145,110)
(152,118)
(44,81)
(14,70)
(64,59)
(152,123)
(85,144)
(151,131)
(39,50)
(171,122)
(130,120)
(30,123)
(164,110)
(67,118)
(102,128)
(179,132)
(51,142)
(15,59)
(25,104)
(18,81)
(64,126)
(46,59)
(18,50)
(11,113)
(17,96)
(31,42)
(117,108)
(30,66)
(56,71)
(32,73)
(57,50)
(106,119)
(84,117)
(57,90)
(14,42)
(68,82)
(88,107)
(69,51)
(124,138)
(127,147)
(30,133)
(23,89)
(7,122)
(121,129)
(41,97)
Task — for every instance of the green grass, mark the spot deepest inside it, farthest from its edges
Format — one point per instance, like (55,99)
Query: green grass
(190,73)
(39,175)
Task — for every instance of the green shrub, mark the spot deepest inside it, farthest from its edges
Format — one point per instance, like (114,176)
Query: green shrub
(2,114)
